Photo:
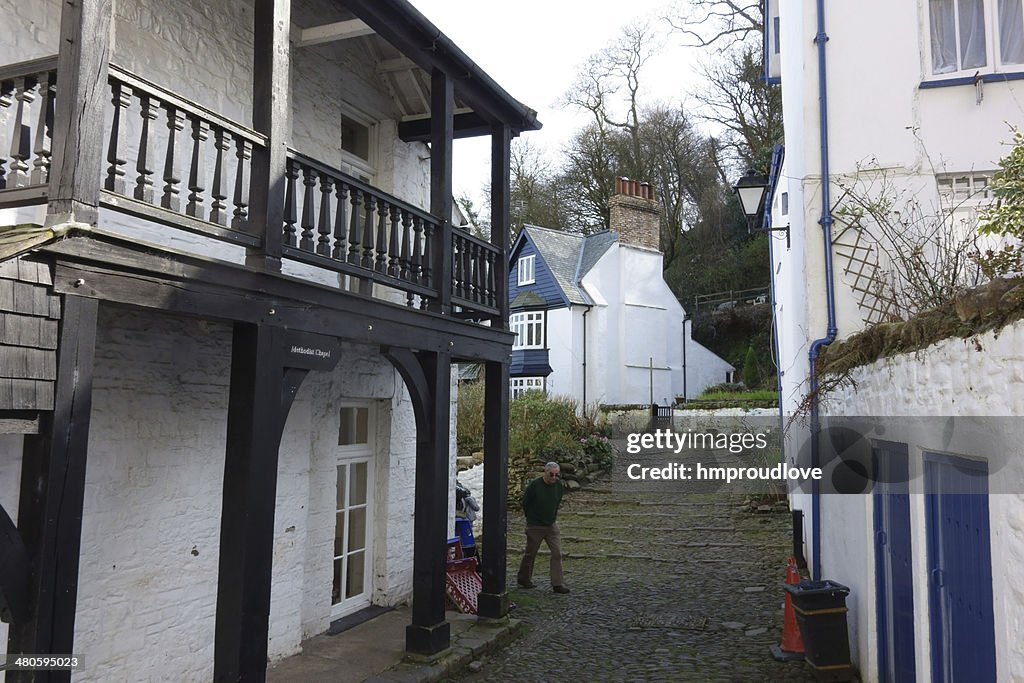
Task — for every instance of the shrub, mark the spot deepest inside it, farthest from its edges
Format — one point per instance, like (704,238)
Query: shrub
(751,373)
(470,428)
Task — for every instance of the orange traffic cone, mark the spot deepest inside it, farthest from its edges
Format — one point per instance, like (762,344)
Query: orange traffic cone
(792,646)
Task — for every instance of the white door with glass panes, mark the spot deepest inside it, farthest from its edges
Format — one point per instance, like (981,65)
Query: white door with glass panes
(352,584)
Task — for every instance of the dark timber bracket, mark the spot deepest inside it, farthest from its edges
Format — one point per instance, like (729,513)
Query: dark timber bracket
(52,498)
(428,378)
(13,572)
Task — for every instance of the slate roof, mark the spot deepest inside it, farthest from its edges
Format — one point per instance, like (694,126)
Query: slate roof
(570,256)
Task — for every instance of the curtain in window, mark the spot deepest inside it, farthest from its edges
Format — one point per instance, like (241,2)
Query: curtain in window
(1011,32)
(943,30)
(972,33)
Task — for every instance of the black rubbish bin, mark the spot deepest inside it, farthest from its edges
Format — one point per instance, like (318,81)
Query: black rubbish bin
(820,608)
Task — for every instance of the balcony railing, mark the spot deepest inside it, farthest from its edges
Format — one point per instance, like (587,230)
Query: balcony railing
(178,164)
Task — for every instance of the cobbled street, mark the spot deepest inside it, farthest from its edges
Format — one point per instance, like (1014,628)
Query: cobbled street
(666,586)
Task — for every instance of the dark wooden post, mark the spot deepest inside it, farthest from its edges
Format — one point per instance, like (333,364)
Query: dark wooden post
(74,186)
(501,161)
(52,496)
(442,132)
(271,111)
(493,599)
(247,518)
(427,376)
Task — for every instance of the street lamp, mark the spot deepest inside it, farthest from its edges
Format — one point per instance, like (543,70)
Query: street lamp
(751,189)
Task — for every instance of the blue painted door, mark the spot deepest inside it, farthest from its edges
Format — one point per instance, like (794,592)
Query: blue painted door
(959,569)
(894,586)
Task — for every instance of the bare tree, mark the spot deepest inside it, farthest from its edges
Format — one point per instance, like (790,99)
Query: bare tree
(749,110)
(719,23)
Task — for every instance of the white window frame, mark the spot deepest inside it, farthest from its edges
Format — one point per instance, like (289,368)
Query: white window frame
(525,270)
(965,195)
(517,386)
(528,326)
(353,164)
(348,456)
(993,63)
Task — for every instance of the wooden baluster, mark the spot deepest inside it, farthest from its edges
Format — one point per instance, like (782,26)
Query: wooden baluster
(197,174)
(491,260)
(341,222)
(416,263)
(381,265)
(456,248)
(44,131)
(428,252)
(403,258)
(6,100)
(21,138)
(367,260)
(477,289)
(323,246)
(144,165)
(218,209)
(243,153)
(122,99)
(468,256)
(394,267)
(291,176)
(172,179)
(308,209)
(353,228)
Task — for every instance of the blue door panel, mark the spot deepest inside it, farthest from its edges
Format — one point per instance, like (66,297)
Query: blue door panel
(894,586)
(959,569)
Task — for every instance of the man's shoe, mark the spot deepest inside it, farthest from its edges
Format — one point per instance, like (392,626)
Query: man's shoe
(527,584)
(561,589)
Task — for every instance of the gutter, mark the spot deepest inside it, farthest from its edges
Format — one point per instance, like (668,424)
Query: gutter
(830,296)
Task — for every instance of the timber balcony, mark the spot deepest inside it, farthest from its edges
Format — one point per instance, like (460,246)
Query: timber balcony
(182,168)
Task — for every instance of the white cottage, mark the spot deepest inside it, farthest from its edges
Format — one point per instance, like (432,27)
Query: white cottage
(909,103)
(231,296)
(594,317)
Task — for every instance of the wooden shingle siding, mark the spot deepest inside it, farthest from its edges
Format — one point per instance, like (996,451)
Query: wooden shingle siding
(544,284)
(28,335)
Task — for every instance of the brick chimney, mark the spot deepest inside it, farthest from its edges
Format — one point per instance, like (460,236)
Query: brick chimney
(635,214)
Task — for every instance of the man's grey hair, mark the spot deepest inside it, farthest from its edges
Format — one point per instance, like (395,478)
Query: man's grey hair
(552,465)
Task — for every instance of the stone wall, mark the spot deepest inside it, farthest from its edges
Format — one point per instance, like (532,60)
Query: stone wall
(978,377)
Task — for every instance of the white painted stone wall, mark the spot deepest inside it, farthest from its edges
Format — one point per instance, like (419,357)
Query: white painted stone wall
(983,376)
(148,578)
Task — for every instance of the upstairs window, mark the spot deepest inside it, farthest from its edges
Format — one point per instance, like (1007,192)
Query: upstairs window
(975,35)
(525,270)
(528,328)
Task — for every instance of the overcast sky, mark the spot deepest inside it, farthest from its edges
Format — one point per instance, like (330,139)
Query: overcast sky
(534,49)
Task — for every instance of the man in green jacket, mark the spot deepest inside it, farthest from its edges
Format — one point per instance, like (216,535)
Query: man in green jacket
(541,499)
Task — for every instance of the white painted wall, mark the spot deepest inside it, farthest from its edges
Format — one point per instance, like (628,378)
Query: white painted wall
(983,376)
(562,354)
(637,323)
(148,578)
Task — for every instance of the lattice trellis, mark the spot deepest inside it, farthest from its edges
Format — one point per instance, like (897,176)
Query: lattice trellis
(864,275)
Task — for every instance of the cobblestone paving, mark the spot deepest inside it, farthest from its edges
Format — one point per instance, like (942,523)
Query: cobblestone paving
(666,586)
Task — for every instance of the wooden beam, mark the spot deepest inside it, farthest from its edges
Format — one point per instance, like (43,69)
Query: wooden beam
(501,162)
(442,107)
(386,66)
(493,600)
(255,422)
(14,572)
(340,315)
(52,496)
(271,112)
(428,377)
(328,33)
(77,159)
(467,124)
